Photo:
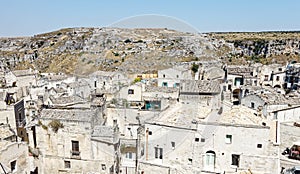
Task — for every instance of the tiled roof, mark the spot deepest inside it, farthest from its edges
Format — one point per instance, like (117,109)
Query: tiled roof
(199,86)
(69,114)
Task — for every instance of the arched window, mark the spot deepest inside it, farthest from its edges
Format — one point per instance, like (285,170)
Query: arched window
(209,160)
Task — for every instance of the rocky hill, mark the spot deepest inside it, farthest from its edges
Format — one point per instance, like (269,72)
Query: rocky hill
(83,50)
(263,47)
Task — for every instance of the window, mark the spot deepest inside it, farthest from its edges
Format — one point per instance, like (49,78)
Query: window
(176,85)
(279,69)
(228,139)
(173,145)
(190,161)
(202,140)
(75,148)
(158,152)
(277,78)
(103,166)
(177,76)
(129,155)
(150,132)
(164,76)
(259,145)
(13,166)
(229,87)
(252,105)
(197,139)
(209,160)
(67,164)
(165,84)
(235,160)
(266,77)
(130,91)
(95,84)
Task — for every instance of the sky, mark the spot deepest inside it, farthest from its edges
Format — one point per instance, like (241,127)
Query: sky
(29,17)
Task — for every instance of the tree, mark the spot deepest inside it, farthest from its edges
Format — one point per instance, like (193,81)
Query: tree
(195,67)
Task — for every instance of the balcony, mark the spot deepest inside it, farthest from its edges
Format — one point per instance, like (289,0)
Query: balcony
(75,154)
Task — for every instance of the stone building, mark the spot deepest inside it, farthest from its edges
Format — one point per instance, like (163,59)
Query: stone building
(207,147)
(171,77)
(201,92)
(76,140)
(108,81)
(13,153)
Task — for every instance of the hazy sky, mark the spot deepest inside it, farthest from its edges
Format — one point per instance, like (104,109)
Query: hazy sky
(29,17)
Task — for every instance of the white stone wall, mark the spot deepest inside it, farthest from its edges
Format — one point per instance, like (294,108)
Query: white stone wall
(57,147)
(256,100)
(172,76)
(15,151)
(189,154)
(288,115)
(136,96)
(9,115)
(244,142)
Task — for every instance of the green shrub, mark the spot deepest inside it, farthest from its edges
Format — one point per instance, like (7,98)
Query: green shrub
(55,125)
(195,67)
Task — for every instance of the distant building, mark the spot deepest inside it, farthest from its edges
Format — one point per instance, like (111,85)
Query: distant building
(292,76)
(171,77)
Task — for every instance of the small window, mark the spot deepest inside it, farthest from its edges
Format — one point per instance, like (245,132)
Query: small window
(277,78)
(202,140)
(252,104)
(259,145)
(165,84)
(158,152)
(75,148)
(13,166)
(67,164)
(266,77)
(177,76)
(103,166)
(129,155)
(190,161)
(197,139)
(130,91)
(173,145)
(95,84)
(150,133)
(164,76)
(235,160)
(228,139)
(279,69)
(229,87)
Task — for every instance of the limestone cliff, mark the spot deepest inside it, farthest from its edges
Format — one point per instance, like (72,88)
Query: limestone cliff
(83,50)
